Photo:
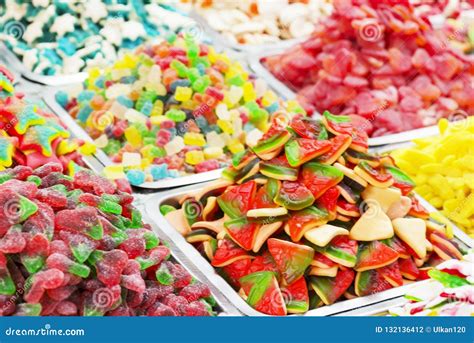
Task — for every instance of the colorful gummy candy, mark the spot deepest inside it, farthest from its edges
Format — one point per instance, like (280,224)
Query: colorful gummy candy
(443,168)
(66,37)
(254,22)
(172,109)
(382,62)
(31,136)
(307,217)
(450,291)
(75,245)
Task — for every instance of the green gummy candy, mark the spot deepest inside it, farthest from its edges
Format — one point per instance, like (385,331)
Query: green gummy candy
(32,263)
(176,115)
(447,280)
(164,276)
(110,207)
(27,208)
(32,310)
(7,286)
(81,252)
(35,179)
(165,209)
(151,240)
(136,219)
(80,270)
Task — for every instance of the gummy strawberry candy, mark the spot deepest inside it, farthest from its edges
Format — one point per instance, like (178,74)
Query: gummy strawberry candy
(14,209)
(13,242)
(101,300)
(163,275)
(131,277)
(158,309)
(7,286)
(121,311)
(47,169)
(65,264)
(81,246)
(151,240)
(153,257)
(102,203)
(7,305)
(54,179)
(176,302)
(52,197)
(60,247)
(181,276)
(26,189)
(41,281)
(195,292)
(83,220)
(35,253)
(41,222)
(32,310)
(134,247)
(61,293)
(196,308)
(109,265)
(91,183)
(66,308)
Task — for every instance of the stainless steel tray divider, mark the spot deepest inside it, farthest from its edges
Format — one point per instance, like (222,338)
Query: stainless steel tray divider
(79,132)
(152,209)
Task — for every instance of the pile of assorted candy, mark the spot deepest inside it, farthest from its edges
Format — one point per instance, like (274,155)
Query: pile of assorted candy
(31,136)
(75,245)
(307,217)
(66,37)
(172,109)
(443,168)
(381,61)
(450,291)
(256,22)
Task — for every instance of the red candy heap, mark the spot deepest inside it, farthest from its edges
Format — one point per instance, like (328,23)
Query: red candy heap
(77,246)
(379,60)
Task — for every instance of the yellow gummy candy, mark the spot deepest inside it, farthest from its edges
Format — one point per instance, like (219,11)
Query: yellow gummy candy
(213,152)
(225,126)
(132,135)
(196,139)
(183,93)
(87,149)
(114,172)
(194,157)
(235,146)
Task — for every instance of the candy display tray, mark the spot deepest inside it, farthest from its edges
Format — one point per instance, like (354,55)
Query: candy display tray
(255,63)
(220,40)
(17,65)
(50,100)
(172,197)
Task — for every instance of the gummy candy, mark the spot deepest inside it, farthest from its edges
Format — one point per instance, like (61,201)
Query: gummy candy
(339,226)
(386,66)
(198,119)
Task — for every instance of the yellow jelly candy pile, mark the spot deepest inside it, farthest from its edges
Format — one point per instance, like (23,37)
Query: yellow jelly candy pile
(443,169)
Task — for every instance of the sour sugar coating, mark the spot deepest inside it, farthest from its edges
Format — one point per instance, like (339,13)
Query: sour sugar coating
(89,255)
(172,109)
(308,217)
(53,38)
(381,62)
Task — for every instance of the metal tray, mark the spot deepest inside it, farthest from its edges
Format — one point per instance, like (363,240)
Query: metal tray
(224,307)
(220,40)
(50,100)
(172,197)
(254,61)
(17,65)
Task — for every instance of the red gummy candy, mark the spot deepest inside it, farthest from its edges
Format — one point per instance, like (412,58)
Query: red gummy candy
(177,303)
(47,169)
(83,220)
(195,292)
(196,308)
(110,267)
(12,243)
(52,197)
(159,309)
(26,189)
(43,280)
(89,182)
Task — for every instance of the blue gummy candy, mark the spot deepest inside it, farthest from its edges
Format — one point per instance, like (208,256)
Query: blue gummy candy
(135,177)
(272,108)
(159,171)
(146,108)
(62,98)
(124,101)
(85,96)
(84,113)
(173,173)
(202,68)
(179,83)
(66,46)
